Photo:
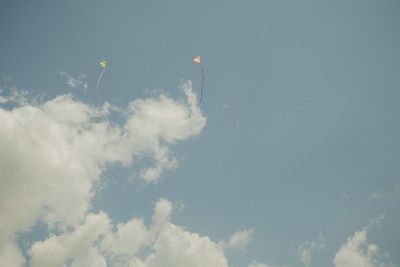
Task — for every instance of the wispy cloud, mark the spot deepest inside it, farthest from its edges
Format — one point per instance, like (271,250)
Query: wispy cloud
(392,194)
(307,249)
(226,106)
(77,82)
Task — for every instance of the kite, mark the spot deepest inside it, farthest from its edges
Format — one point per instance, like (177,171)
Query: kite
(103,65)
(197,60)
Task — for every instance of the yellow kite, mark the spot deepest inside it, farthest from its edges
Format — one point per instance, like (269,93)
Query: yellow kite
(197,59)
(102,64)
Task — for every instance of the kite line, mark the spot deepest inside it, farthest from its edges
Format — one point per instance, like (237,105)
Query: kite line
(103,65)
(197,60)
(202,84)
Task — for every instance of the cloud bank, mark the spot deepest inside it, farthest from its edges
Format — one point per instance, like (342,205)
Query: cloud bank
(53,153)
(97,242)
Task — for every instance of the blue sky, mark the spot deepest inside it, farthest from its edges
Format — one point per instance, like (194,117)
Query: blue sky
(301,138)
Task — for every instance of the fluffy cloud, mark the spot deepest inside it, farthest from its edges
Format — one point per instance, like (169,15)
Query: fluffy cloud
(358,252)
(176,247)
(76,246)
(97,242)
(11,255)
(53,153)
(239,240)
(154,122)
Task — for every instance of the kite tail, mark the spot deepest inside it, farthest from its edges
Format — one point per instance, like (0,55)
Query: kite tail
(98,82)
(202,85)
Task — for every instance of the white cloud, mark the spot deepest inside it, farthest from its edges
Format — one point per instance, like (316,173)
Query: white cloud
(306,250)
(52,154)
(134,244)
(127,239)
(130,238)
(11,256)
(258,264)
(358,252)
(239,240)
(155,122)
(176,247)
(77,246)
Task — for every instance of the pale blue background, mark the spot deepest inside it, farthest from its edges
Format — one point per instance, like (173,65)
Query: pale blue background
(314,120)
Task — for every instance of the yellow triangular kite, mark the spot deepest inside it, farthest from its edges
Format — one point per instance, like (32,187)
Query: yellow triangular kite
(103,63)
(197,59)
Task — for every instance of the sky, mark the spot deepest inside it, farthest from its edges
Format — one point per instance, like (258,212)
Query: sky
(292,158)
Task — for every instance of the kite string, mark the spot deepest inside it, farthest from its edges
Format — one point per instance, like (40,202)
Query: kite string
(98,82)
(202,85)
